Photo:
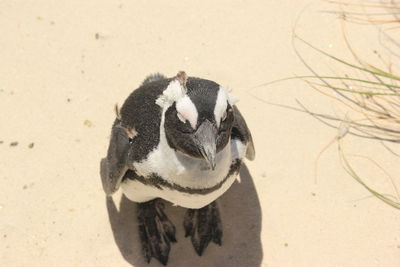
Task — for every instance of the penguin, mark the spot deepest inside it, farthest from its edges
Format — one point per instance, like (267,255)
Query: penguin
(179,139)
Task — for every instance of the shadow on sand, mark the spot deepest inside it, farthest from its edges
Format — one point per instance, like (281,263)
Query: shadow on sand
(241,218)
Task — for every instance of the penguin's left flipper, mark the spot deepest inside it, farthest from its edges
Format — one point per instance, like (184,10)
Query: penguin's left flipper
(114,166)
(203,226)
(242,132)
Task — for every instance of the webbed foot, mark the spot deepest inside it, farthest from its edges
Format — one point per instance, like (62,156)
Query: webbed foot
(156,230)
(203,225)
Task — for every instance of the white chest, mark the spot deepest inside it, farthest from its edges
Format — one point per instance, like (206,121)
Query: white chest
(190,175)
(178,168)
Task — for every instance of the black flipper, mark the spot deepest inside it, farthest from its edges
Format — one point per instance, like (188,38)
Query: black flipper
(203,226)
(241,131)
(114,166)
(156,230)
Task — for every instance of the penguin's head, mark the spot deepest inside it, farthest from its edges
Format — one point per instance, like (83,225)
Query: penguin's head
(198,122)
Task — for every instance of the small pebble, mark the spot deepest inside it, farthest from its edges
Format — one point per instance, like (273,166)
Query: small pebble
(25,187)
(13,143)
(313,194)
(88,123)
(1,142)
(97,36)
(286,244)
(68,99)
(31,145)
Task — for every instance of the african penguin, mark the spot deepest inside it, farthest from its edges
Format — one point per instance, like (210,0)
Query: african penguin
(180,139)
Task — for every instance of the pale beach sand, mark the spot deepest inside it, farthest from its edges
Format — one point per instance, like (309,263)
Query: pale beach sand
(65,64)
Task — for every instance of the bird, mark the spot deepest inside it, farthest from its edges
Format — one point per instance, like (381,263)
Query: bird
(180,140)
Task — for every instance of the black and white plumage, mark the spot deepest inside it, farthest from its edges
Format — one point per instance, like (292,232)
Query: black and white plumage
(180,139)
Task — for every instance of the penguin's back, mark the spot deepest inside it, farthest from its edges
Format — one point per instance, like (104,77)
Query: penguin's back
(142,115)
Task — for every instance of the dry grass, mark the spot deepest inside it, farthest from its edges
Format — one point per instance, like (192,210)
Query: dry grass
(369,93)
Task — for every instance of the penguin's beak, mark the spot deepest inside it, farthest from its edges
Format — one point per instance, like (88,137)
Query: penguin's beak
(205,137)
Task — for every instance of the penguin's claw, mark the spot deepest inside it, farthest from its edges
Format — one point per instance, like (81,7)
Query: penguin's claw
(156,231)
(203,225)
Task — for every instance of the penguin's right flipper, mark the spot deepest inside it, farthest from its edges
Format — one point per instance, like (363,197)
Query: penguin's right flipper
(114,166)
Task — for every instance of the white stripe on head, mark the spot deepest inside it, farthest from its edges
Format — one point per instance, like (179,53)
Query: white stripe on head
(220,105)
(172,93)
(187,111)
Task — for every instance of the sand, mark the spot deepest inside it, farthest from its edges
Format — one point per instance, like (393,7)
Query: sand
(64,65)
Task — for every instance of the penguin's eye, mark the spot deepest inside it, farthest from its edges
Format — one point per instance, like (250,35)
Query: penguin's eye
(225,114)
(186,127)
(181,118)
